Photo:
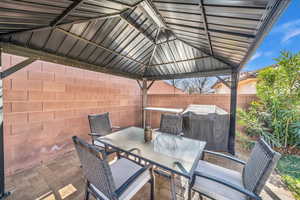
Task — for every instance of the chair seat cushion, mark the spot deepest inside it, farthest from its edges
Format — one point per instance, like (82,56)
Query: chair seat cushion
(122,170)
(216,190)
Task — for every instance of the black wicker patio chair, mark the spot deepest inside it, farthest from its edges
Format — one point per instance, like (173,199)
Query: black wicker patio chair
(171,123)
(219,183)
(100,125)
(118,181)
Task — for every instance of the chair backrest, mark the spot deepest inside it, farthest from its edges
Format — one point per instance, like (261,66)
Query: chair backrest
(95,167)
(170,123)
(100,123)
(259,167)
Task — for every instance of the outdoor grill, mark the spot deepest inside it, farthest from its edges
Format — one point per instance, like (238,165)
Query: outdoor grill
(207,123)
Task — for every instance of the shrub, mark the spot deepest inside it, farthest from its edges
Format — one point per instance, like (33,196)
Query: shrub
(293,185)
(289,167)
(245,142)
(275,116)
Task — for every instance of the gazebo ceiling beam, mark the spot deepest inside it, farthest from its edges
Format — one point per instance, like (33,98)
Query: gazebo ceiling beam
(67,12)
(107,16)
(98,45)
(204,51)
(153,51)
(50,57)
(44,28)
(180,61)
(244,35)
(203,14)
(224,82)
(121,3)
(233,66)
(17,67)
(160,43)
(149,86)
(137,28)
(139,84)
(191,74)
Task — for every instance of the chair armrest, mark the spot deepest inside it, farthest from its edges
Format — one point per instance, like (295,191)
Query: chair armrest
(115,128)
(110,150)
(131,180)
(95,134)
(225,156)
(135,149)
(226,183)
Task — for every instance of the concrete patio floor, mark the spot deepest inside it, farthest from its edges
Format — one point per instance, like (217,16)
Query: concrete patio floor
(62,179)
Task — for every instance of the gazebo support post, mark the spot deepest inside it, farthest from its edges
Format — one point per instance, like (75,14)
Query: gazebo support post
(233,105)
(144,100)
(144,88)
(4,74)
(3,194)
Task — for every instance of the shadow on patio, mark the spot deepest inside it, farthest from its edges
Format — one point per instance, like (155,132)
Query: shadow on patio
(62,178)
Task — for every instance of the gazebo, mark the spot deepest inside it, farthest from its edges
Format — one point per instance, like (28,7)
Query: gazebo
(146,40)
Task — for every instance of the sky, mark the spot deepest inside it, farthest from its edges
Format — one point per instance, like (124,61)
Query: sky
(284,36)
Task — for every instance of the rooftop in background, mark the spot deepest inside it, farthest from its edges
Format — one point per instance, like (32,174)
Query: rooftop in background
(243,76)
(162,87)
(187,38)
(247,84)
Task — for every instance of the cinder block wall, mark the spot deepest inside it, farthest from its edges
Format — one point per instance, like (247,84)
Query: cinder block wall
(183,100)
(45,104)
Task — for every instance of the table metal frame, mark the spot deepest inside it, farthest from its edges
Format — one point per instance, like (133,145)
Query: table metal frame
(131,152)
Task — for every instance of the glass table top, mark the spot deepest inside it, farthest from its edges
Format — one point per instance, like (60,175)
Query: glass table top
(175,153)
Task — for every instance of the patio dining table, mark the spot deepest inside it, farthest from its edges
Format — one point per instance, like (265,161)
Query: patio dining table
(175,154)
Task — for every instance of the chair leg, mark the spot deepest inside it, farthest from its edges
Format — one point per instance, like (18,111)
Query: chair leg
(87,193)
(189,193)
(201,197)
(152,190)
(173,187)
(118,155)
(152,182)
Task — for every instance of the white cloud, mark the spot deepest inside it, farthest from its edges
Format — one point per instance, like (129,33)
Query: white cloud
(259,54)
(291,34)
(256,55)
(288,25)
(289,30)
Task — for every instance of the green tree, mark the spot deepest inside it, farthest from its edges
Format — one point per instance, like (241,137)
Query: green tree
(276,114)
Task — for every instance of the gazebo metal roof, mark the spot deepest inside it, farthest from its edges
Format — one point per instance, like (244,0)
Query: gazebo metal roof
(199,37)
